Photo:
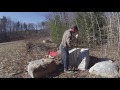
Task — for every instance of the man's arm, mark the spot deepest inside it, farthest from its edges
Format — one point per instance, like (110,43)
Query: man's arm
(69,40)
(74,40)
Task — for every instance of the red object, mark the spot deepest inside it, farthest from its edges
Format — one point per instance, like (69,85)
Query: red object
(53,53)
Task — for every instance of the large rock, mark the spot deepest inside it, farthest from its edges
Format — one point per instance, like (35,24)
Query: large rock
(105,69)
(73,55)
(83,59)
(79,58)
(42,67)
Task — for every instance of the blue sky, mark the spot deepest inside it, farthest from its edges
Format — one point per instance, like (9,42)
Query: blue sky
(28,17)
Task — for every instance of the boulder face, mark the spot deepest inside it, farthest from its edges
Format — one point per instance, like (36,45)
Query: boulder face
(79,58)
(105,69)
(40,68)
(83,59)
(73,54)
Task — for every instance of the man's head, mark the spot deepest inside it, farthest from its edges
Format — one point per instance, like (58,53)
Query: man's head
(74,28)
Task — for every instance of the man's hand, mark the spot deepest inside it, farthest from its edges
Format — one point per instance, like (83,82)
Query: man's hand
(76,36)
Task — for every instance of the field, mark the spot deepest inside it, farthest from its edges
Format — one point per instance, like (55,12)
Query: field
(14,58)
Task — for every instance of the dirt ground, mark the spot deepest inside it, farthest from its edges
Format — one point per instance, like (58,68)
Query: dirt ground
(14,58)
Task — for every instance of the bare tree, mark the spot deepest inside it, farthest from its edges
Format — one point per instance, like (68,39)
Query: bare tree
(4,21)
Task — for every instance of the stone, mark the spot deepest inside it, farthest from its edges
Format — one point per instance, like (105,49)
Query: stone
(105,69)
(83,59)
(40,68)
(79,58)
(73,54)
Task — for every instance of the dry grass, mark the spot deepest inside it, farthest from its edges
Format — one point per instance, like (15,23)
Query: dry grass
(12,58)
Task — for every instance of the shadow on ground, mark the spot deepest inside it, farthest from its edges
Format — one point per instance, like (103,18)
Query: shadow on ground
(94,60)
(57,72)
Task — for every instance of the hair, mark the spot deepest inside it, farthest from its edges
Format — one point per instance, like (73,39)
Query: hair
(74,27)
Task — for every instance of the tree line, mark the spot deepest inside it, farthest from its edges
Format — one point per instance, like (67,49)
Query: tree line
(15,30)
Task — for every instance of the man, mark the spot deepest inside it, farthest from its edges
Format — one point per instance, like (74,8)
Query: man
(66,45)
